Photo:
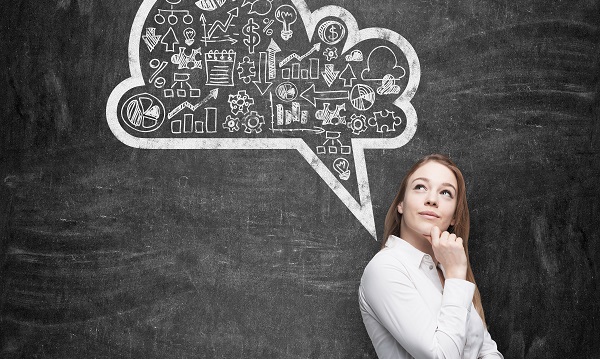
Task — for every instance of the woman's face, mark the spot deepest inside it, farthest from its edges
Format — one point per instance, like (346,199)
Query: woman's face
(429,200)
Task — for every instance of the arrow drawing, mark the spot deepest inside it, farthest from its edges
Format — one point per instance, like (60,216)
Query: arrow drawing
(262,86)
(315,130)
(212,95)
(316,47)
(312,96)
(169,40)
(272,50)
(348,76)
(329,75)
(233,13)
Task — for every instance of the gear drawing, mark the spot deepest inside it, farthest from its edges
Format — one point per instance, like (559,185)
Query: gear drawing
(358,124)
(253,122)
(231,124)
(330,53)
(240,103)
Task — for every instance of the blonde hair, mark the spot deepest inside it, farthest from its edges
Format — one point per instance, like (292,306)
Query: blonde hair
(461,216)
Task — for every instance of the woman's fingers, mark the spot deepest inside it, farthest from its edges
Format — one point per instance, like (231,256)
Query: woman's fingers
(435,236)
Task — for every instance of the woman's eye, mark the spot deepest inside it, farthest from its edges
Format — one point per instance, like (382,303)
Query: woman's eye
(447,193)
(420,186)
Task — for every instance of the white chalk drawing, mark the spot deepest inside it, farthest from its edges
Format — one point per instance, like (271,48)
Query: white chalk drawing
(316,47)
(184,61)
(330,53)
(252,36)
(259,7)
(366,74)
(267,28)
(329,75)
(388,86)
(286,15)
(331,32)
(190,36)
(252,122)
(333,145)
(151,39)
(272,50)
(169,40)
(173,16)
(328,116)
(209,74)
(210,5)
(362,97)
(347,76)
(159,82)
(246,70)
(212,95)
(312,96)
(143,112)
(240,103)
(262,84)
(354,56)
(342,167)
(286,91)
(389,121)
(357,123)
(219,67)
(231,124)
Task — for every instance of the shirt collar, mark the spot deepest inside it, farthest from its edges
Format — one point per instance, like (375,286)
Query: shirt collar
(409,253)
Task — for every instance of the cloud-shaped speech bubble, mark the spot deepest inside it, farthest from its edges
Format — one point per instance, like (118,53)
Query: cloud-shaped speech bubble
(268,74)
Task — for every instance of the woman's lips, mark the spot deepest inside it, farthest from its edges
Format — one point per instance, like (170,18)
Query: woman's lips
(429,215)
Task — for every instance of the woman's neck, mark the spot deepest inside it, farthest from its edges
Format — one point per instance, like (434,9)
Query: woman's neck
(418,241)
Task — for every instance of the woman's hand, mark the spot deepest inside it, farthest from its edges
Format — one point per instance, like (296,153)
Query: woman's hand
(448,250)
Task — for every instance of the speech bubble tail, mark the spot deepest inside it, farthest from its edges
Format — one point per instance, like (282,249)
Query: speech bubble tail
(363,211)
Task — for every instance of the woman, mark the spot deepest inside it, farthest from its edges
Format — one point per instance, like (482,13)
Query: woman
(418,297)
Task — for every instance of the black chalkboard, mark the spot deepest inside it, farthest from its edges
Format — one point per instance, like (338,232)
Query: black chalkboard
(217,193)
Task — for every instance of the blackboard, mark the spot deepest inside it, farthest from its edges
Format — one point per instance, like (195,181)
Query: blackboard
(128,232)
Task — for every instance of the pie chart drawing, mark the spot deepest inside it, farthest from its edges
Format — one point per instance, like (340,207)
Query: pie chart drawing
(143,112)
(287,91)
(362,97)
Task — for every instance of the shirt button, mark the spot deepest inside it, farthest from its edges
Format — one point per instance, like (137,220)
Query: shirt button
(430,267)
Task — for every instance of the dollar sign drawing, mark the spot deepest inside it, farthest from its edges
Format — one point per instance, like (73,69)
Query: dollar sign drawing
(252,36)
(334,34)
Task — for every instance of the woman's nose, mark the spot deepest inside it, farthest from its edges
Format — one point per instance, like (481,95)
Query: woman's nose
(431,199)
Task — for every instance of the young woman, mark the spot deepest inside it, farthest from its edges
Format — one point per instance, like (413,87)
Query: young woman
(418,297)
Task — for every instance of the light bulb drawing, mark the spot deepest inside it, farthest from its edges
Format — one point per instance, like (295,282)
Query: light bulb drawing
(342,167)
(190,35)
(286,15)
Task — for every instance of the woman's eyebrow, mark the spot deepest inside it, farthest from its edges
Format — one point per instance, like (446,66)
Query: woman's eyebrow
(427,180)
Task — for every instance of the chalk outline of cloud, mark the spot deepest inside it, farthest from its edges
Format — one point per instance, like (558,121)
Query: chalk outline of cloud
(368,69)
(363,211)
(355,55)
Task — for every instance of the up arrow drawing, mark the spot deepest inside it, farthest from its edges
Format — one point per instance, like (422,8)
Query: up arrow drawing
(272,50)
(233,13)
(169,40)
(347,76)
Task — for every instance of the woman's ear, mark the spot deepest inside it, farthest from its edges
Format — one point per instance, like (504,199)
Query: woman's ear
(400,207)
(453,222)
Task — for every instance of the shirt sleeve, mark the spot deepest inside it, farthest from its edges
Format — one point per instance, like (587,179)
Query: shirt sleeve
(396,303)
(489,350)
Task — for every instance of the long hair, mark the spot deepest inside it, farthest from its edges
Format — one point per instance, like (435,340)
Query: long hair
(461,216)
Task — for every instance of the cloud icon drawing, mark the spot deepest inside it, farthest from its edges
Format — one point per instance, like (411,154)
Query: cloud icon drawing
(268,74)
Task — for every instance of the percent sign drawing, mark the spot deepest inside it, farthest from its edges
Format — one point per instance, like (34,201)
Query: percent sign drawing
(325,22)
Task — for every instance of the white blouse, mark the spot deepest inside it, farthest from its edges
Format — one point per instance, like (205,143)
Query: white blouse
(408,314)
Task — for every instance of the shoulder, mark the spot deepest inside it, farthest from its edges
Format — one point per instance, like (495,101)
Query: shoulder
(386,262)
